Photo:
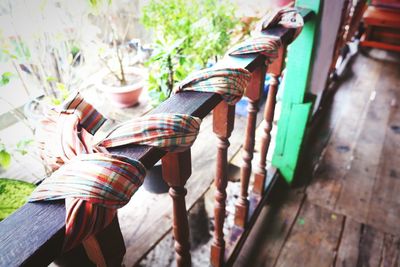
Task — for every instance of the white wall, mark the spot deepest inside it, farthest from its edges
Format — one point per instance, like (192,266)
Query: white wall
(329,26)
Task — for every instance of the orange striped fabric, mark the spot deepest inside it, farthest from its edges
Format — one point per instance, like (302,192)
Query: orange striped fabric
(268,45)
(93,182)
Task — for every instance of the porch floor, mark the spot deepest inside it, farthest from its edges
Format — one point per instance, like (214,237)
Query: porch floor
(346,209)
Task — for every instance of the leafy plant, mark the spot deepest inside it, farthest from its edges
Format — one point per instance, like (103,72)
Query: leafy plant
(13,194)
(5,156)
(7,153)
(5,78)
(188,35)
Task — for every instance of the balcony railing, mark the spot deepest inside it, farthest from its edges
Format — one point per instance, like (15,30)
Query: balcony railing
(34,234)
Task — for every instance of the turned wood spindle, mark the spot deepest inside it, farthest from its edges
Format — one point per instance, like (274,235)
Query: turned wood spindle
(176,169)
(223,121)
(275,70)
(253,92)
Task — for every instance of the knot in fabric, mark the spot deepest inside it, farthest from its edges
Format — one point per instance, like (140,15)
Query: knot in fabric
(268,45)
(93,182)
(288,17)
(265,45)
(230,83)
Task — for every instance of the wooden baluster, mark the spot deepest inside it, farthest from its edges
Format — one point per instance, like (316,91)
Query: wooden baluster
(253,92)
(176,169)
(223,121)
(275,70)
(106,248)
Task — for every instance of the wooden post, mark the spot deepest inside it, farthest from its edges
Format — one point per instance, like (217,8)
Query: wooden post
(275,70)
(223,121)
(296,108)
(176,169)
(106,248)
(253,92)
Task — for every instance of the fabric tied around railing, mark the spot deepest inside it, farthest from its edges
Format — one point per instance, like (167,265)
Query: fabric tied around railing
(230,83)
(265,45)
(93,182)
(269,45)
(287,17)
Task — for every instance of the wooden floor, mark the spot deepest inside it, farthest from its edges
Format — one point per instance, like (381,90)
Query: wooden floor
(345,211)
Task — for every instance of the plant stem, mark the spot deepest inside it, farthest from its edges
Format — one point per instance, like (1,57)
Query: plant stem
(121,67)
(21,78)
(119,53)
(109,68)
(170,75)
(18,114)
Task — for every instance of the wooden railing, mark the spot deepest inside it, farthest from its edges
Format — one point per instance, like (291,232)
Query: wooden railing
(34,234)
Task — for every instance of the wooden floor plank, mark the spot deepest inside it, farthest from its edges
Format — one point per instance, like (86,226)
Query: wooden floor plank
(369,247)
(363,245)
(384,208)
(358,183)
(271,230)
(360,246)
(313,239)
(390,256)
(351,213)
(352,100)
(347,254)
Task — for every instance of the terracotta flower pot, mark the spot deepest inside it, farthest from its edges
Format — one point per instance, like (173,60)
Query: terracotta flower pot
(127,95)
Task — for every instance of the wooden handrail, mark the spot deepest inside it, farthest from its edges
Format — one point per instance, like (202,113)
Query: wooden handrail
(34,234)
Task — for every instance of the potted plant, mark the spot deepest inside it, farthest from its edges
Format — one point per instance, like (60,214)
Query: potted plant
(122,84)
(123,80)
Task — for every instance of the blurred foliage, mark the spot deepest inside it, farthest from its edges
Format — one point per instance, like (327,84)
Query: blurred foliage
(13,194)
(188,35)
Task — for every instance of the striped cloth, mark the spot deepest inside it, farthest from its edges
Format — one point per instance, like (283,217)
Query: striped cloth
(171,132)
(93,186)
(266,44)
(230,83)
(288,17)
(93,182)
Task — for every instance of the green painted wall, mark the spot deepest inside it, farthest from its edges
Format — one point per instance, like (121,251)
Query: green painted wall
(295,109)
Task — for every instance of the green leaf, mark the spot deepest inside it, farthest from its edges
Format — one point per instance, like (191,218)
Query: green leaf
(55,101)
(63,90)
(5,78)
(93,3)
(22,146)
(5,159)
(51,79)
(61,87)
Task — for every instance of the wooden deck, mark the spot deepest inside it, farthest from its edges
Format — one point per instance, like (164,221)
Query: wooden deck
(346,209)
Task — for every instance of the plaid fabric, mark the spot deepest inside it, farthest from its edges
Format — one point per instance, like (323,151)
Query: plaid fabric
(172,132)
(230,83)
(266,45)
(287,17)
(89,118)
(94,186)
(93,182)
